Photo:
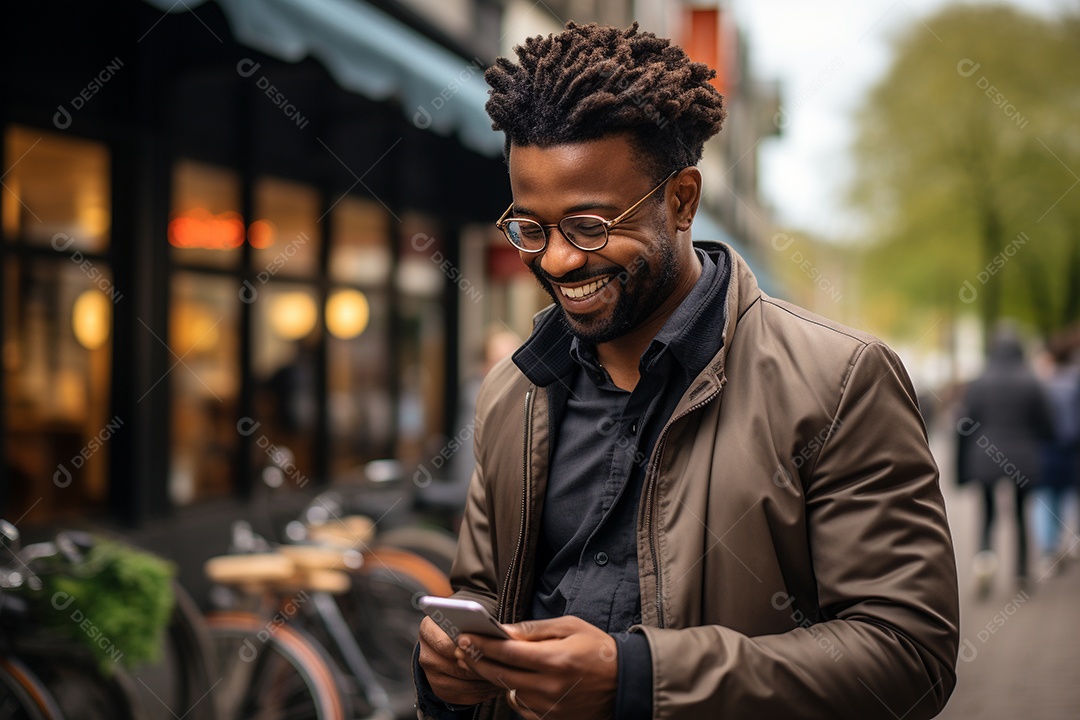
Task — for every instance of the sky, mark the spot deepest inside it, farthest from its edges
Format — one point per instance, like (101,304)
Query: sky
(826,55)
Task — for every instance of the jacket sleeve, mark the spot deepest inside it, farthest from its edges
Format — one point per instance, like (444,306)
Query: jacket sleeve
(885,645)
(473,571)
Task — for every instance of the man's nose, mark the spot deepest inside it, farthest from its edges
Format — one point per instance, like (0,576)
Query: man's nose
(561,256)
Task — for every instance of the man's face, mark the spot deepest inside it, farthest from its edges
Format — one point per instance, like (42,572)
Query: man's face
(606,293)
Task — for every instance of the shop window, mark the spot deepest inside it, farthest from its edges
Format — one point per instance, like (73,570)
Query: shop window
(360,404)
(359,392)
(360,246)
(420,279)
(203,340)
(205,225)
(56,359)
(56,191)
(285,235)
(285,366)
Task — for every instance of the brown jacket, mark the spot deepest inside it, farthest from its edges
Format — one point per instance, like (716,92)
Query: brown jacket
(795,558)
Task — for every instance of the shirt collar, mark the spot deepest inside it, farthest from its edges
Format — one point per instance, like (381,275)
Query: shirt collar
(690,337)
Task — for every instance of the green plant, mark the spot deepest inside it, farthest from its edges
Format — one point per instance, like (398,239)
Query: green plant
(116,602)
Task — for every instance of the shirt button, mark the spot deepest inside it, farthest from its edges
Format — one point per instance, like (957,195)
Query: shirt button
(633,427)
(601,558)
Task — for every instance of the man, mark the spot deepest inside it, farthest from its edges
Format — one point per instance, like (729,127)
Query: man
(691,500)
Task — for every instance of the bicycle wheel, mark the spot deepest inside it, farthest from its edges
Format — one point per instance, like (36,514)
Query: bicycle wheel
(179,683)
(83,693)
(23,696)
(410,567)
(435,545)
(271,671)
(380,609)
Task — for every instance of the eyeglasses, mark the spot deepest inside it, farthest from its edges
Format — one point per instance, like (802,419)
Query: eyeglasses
(585,232)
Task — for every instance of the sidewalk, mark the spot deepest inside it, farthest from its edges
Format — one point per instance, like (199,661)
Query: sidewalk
(1020,649)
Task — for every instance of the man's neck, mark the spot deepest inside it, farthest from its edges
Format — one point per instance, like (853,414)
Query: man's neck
(621,357)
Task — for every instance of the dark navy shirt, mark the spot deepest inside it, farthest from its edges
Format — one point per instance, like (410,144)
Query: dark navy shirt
(601,444)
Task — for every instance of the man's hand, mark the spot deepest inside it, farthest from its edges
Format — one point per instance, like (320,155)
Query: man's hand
(452,682)
(558,668)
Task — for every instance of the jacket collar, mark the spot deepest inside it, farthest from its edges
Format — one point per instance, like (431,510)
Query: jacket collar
(545,357)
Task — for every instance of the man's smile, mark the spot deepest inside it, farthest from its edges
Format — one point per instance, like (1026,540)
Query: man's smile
(581,291)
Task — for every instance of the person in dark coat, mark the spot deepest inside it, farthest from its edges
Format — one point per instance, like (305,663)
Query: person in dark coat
(1060,459)
(1004,421)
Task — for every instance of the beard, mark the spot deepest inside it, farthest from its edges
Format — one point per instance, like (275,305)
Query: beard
(641,288)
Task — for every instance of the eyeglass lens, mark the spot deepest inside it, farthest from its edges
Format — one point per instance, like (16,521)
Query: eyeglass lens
(585,231)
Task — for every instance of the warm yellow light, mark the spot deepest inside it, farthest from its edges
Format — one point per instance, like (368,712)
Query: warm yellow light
(195,329)
(347,314)
(293,315)
(12,209)
(91,319)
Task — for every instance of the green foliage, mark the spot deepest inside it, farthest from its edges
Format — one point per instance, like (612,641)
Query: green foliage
(116,603)
(968,142)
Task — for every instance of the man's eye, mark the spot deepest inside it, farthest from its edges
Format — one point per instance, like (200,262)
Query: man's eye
(588,227)
(531,231)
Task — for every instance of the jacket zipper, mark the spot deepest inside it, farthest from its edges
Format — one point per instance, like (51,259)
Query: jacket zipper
(507,605)
(657,452)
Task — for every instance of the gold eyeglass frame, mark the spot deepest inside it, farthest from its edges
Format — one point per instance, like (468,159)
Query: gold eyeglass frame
(503,221)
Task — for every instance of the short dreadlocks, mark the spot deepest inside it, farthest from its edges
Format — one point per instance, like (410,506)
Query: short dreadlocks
(590,81)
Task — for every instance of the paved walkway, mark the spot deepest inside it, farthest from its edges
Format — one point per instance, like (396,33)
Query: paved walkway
(1020,648)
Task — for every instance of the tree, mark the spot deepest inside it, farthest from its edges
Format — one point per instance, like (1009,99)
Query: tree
(967,167)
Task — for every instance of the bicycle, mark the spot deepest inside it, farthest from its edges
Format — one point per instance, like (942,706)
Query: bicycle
(270,667)
(409,516)
(43,676)
(319,620)
(22,695)
(179,683)
(176,683)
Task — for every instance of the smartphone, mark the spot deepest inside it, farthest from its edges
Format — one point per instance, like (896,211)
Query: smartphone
(457,616)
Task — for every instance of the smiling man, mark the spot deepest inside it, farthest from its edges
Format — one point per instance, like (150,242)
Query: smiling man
(691,500)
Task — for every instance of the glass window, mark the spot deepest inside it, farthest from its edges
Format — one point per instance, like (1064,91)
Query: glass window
(57,354)
(203,339)
(57,190)
(422,342)
(360,247)
(205,227)
(358,381)
(285,236)
(360,400)
(285,366)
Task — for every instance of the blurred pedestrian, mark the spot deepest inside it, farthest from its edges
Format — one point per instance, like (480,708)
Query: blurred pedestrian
(1004,421)
(1060,460)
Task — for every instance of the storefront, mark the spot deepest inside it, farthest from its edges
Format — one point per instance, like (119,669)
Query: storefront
(210,255)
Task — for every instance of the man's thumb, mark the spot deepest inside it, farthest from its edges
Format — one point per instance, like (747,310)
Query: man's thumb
(541,629)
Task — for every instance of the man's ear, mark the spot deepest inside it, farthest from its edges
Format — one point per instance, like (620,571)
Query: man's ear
(687,195)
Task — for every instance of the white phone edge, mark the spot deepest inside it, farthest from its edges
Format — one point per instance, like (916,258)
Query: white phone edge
(455,616)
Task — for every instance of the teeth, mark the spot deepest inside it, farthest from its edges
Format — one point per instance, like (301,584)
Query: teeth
(580,292)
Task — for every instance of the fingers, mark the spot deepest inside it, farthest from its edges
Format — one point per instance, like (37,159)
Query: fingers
(450,680)
(565,670)
(534,630)
(437,640)
(521,707)
(437,654)
(528,651)
(521,654)
(503,677)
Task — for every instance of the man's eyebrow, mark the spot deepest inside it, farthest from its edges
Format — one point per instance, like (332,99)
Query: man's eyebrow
(520,211)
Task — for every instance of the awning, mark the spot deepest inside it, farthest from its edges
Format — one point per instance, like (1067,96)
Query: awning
(368,52)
